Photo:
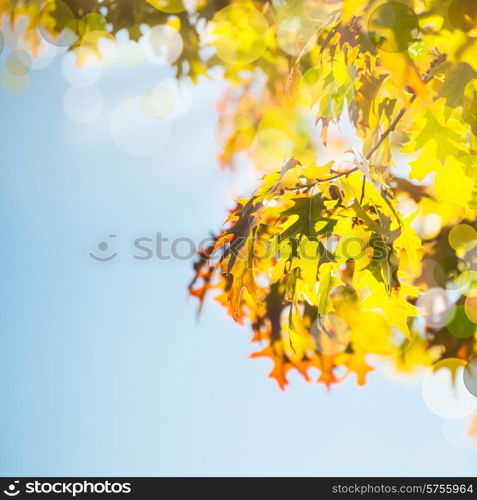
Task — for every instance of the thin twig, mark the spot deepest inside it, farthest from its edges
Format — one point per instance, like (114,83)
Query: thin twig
(426,78)
(318,181)
(363,189)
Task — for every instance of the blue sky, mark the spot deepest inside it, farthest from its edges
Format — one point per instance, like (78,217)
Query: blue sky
(104,369)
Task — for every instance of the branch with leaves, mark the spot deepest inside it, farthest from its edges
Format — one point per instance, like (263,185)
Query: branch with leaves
(360,118)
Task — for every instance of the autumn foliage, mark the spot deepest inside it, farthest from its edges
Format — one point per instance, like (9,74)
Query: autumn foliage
(360,118)
(363,221)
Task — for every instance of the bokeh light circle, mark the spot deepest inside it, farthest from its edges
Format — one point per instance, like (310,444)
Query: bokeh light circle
(14,84)
(470,376)
(445,394)
(169,6)
(283,133)
(18,62)
(436,307)
(163,45)
(182,93)
(471,258)
(470,308)
(459,324)
(463,236)
(101,45)
(393,26)
(93,21)
(78,76)
(428,226)
(295,37)
(157,102)
(131,54)
(331,334)
(322,12)
(235,130)
(463,16)
(275,142)
(238,34)
(299,22)
(58,24)
(135,133)
(83,104)
(466,283)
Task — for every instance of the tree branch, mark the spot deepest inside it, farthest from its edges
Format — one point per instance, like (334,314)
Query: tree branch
(426,78)
(306,187)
